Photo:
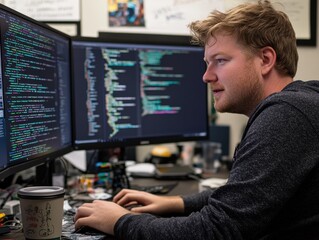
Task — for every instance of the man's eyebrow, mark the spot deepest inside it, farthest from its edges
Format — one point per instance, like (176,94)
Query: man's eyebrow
(214,55)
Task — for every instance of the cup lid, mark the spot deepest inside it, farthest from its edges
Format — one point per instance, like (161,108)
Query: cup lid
(41,191)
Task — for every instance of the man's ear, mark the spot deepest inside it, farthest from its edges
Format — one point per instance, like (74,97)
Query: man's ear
(268,58)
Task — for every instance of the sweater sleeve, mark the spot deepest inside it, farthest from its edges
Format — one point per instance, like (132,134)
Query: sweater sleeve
(147,226)
(195,202)
(269,167)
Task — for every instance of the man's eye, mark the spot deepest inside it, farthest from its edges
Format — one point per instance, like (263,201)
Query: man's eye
(220,60)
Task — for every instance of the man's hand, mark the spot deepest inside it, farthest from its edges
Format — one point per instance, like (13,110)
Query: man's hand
(101,215)
(150,203)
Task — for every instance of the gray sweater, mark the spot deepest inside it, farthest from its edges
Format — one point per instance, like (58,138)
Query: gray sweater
(273,188)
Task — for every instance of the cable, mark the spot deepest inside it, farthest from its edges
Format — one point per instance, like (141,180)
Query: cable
(65,165)
(195,177)
(15,225)
(6,199)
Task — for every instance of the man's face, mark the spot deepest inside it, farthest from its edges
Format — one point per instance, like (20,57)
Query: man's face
(234,77)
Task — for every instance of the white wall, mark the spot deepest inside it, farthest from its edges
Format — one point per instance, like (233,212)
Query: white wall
(94,19)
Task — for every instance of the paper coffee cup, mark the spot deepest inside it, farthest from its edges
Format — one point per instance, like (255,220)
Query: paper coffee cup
(42,211)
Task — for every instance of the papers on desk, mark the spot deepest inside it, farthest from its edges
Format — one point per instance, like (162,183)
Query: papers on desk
(77,159)
(211,183)
(141,170)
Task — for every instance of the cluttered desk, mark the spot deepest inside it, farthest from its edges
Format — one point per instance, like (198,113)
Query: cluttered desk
(76,196)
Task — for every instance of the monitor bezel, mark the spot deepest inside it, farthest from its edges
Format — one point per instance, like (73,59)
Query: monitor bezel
(131,38)
(147,38)
(43,158)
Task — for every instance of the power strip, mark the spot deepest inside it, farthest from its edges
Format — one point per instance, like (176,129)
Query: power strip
(12,207)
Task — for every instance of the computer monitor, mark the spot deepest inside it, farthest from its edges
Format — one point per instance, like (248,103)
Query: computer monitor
(35,93)
(221,134)
(130,91)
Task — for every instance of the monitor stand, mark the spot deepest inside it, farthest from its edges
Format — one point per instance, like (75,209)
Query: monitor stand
(44,174)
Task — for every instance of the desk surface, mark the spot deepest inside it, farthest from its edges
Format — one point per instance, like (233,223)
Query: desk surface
(183,187)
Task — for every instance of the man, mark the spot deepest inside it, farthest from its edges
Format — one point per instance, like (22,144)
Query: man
(273,188)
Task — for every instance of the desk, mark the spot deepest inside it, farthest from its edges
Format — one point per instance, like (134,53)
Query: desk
(184,187)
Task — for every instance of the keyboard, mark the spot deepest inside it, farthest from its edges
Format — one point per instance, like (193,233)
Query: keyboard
(68,229)
(69,233)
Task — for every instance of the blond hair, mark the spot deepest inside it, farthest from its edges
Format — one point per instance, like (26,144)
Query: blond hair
(255,25)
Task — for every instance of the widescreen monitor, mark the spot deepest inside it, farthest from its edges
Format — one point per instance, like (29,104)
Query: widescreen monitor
(129,92)
(35,94)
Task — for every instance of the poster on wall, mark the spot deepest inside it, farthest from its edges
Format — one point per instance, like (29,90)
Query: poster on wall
(173,16)
(126,13)
(302,14)
(47,10)
(165,16)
